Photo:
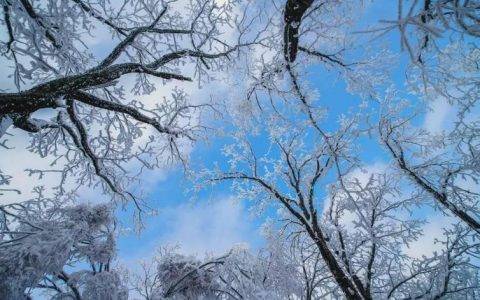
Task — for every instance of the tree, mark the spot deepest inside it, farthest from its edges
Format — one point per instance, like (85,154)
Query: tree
(442,166)
(360,234)
(96,126)
(346,229)
(302,158)
(41,237)
(422,23)
(274,272)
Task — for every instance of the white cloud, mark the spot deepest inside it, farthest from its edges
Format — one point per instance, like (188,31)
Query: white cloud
(363,174)
(201,228)
(212,227)
(14,161)
(436,119)
(432,230)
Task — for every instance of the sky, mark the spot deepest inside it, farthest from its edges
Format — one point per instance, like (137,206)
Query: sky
(213,221)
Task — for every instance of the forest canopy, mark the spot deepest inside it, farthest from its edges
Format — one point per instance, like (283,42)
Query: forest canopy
(349,130)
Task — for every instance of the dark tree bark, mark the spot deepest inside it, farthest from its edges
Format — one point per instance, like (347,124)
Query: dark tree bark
(294,11)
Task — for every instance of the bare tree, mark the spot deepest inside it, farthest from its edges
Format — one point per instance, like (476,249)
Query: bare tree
(275,272)
(95,124)
(359,233)
(346,231)
(41,237)
(442,166)
(422,24)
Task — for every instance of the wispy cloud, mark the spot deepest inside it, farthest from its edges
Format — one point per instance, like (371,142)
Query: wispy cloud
(433,230)
(208,227)
(199,228)
(437,117)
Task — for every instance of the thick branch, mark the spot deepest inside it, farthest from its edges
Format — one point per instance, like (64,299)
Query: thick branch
(294,11)
(46,94)
(118,107)
(440,197)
